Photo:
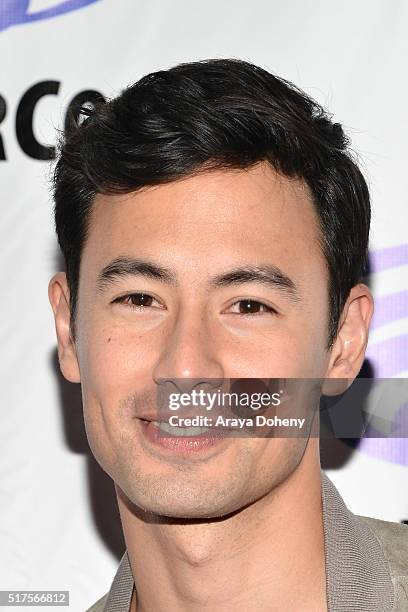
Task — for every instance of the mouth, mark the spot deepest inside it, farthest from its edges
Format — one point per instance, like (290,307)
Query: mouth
(180,440)
(184,432)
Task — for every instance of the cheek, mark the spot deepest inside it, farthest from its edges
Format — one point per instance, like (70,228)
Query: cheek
(315,335)
(113,365)
(112,360)
(273,461)
(296,350)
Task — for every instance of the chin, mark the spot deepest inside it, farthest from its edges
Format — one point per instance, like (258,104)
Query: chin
(182,502)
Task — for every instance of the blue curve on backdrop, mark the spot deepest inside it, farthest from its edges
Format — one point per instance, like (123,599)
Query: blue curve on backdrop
(16,12)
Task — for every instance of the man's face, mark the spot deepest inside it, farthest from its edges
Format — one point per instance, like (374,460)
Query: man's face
(193,325)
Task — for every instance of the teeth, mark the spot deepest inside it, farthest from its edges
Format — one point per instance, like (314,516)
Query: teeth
(180,431)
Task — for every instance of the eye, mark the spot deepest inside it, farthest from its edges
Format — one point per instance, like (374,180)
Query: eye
(251,307)
(138,301)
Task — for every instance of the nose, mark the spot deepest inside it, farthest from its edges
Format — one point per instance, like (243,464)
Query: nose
(189,357)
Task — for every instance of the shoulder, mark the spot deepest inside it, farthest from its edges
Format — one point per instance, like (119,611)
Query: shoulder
(393,538)
(99,605)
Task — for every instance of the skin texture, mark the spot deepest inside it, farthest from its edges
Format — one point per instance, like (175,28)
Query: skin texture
(244,517)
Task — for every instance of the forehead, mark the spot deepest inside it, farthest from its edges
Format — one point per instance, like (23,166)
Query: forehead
(212,217)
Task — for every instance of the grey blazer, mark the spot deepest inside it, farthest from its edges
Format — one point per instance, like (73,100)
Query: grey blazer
(366,563)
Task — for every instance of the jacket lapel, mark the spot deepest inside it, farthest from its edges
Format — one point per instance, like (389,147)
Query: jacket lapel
(357,572)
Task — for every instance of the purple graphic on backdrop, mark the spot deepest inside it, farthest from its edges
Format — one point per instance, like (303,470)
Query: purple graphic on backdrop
(389,357)
(16,12)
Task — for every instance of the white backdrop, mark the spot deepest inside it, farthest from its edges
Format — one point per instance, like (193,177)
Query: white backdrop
(59,528)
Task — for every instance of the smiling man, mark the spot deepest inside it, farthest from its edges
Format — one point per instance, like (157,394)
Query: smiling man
(214,227)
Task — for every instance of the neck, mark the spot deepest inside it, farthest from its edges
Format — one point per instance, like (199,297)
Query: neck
(269,555)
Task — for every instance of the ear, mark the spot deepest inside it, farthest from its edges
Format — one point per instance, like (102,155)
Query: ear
(348,351)
(58,294)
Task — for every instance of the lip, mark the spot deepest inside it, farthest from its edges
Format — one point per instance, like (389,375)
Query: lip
(180,445)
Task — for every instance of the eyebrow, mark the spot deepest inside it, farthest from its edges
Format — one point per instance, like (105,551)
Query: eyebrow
(128,266)
(269,275)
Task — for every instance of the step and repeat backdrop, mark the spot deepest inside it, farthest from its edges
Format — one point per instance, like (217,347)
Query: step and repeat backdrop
(59,526)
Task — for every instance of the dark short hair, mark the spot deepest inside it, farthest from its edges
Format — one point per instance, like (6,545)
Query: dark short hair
(214,114)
